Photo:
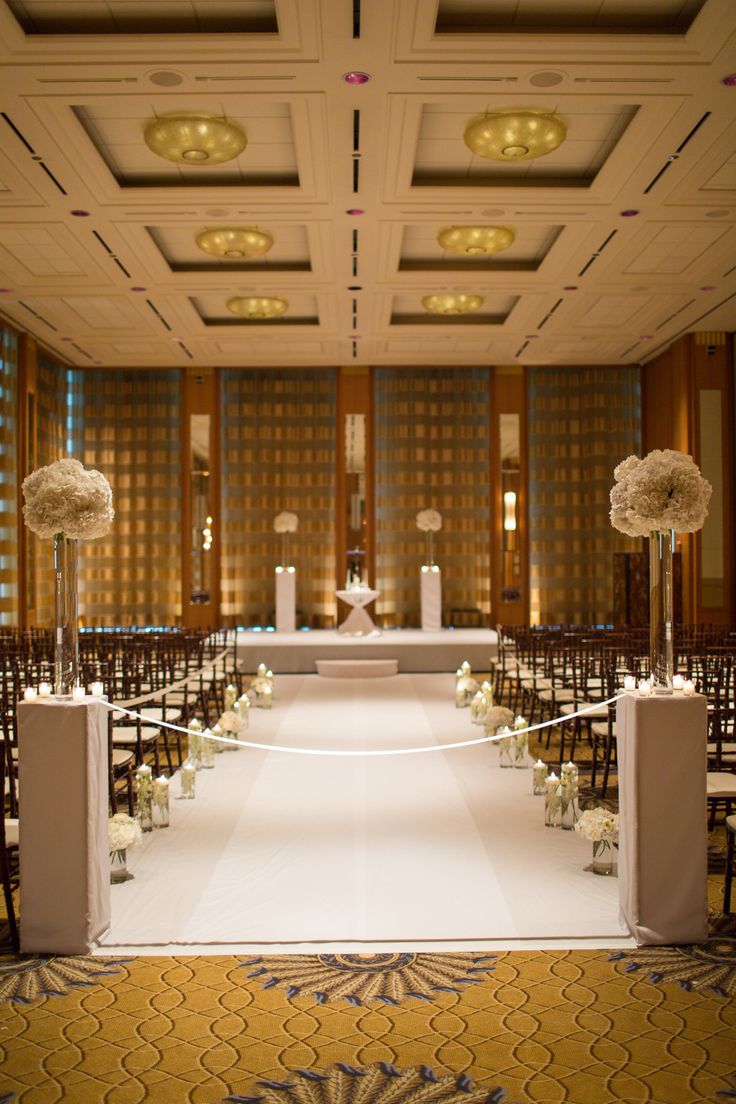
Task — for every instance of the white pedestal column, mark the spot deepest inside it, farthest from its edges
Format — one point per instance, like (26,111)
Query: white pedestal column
(430,581)
(64,856)
(663,833)
(285,599)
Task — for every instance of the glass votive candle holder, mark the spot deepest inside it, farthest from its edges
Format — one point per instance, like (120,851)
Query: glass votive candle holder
(78,694)
(97,689)
(160,802)
(678,682)
(539,777)
(207,752)
(143,797)
(44,689)
(30,693)
(629,682)
(552,801)
(688,688)
(188,779)
(645,689)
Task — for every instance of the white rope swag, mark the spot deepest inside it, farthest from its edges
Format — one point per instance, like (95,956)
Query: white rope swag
(365,752)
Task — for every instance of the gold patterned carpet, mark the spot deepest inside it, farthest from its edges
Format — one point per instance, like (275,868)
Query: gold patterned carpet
(589,1027)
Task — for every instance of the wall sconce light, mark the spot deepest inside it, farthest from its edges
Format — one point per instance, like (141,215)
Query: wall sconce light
(509,510)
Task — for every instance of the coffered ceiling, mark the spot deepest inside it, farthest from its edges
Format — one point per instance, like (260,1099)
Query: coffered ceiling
(624,235)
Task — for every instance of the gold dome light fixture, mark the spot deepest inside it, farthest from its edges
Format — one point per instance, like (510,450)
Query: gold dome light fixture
(475,241)
(234,242)
(452,304)
(195,138)
(257,306)
(515,135)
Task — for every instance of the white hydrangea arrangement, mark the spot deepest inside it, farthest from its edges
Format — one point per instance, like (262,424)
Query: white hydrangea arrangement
(231,723)
(68,499)
(600,826)
(286,522)
(429,521)
(497,717)
(663,491)
(123,831)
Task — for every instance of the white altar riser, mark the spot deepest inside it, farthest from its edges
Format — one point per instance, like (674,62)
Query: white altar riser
(416,651)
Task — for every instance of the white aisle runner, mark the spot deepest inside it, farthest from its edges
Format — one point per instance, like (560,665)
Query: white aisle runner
(281,848)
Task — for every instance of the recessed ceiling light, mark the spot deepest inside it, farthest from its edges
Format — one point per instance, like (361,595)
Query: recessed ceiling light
(629,213)
(730,80)
(257,306)
(475,241)
(570,287)
(137,288)
(708,287)
(515,135)
(234,242)
(80,214)
(197,138)
(354,211)
(356,77)
(6,291)
(452,304)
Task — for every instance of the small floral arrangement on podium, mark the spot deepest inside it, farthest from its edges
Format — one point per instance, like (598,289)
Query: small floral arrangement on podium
(429,522)
(285,523)
(123,832)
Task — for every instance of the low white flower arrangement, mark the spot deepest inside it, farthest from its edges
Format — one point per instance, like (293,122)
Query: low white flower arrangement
(286,522)
(663,491)
(429,521)
(67,499)
(231,722)
(497,717)
(600,826)
(123,831)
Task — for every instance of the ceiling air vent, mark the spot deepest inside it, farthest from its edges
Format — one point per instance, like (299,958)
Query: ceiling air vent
(675,314)
(38,160)
(521,349)
(673,156)
(356,18)
(549,314)
(158,314)
(35,314)
(82,351)
(596,254)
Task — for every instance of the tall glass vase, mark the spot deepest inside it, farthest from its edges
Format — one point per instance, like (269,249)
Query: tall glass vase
(66,662)
(661,617)
(430,548)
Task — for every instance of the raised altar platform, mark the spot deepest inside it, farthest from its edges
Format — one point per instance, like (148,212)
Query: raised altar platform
(416,651)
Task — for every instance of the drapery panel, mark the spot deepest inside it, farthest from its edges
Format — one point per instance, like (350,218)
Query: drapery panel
(278,453)
(582,422)
(432,451)
(127,424)
(8,477)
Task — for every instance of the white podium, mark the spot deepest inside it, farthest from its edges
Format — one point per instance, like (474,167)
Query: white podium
(663,834)
(64,854)
(358,622)
(430,581)
(285,599)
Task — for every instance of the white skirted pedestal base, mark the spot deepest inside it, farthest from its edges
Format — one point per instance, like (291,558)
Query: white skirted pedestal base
(285,599)
(663,822)
(358,622)
(430,581)
(64,856)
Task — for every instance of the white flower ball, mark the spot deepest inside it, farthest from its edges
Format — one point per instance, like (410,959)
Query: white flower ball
(65,497)
(286,522)
(429,521)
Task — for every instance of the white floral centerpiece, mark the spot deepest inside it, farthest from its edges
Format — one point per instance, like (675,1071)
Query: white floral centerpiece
(656,497)
(231,722)
(123,832)
(429,522)
(498,716)
(285,523)
(664,491)
(68,502)
(600,826)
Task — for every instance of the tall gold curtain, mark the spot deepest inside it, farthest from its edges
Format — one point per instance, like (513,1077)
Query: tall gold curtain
(432,451)
(278,453)
(8,477)
(52,443)
(127,424)
(582,422)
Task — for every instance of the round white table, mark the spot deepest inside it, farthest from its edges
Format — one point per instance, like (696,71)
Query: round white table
(358,622)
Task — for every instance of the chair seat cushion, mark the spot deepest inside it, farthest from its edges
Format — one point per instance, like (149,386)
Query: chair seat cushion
(559,694)
(720,784)
(127,735)
(156,713)
(600,728)
(121,757)
(11,832)
(601,712)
